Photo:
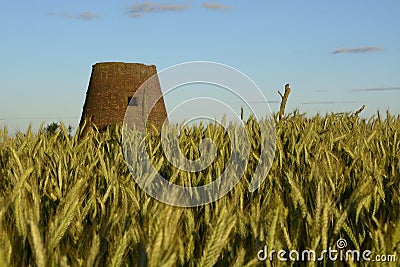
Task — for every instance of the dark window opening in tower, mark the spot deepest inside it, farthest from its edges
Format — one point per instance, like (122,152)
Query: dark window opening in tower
(132,101)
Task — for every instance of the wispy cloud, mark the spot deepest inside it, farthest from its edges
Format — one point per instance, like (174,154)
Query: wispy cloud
(135,15)
(357,50)
(377,89)
(82,15)
(215,6)
(136,10)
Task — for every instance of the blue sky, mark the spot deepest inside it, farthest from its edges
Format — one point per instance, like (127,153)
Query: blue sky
(336,55)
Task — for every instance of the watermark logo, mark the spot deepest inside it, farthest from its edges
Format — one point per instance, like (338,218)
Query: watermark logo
(341,243)
(233,83)
(341,253)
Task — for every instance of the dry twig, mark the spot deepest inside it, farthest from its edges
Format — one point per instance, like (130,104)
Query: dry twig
(284,100)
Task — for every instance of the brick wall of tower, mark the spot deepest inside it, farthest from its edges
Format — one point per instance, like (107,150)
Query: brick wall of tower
(110,86)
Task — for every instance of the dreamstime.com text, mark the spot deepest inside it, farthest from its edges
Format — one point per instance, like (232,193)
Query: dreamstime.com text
(339,254)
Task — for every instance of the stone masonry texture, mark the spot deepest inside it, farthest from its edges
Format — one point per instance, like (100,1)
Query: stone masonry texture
(111,86)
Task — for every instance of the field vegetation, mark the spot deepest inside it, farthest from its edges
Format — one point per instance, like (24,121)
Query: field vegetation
(71,200)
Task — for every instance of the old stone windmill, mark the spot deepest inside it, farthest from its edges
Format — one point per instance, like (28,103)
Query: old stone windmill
(112,88)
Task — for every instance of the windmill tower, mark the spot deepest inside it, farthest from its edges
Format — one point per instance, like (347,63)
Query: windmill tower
(112,88)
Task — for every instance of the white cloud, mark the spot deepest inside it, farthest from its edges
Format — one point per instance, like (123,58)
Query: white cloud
(357,50)
(136,10)
(215,6)
(82,15)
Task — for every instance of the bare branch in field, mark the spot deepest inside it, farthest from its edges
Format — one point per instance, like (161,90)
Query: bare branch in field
(284,100)
(359,111)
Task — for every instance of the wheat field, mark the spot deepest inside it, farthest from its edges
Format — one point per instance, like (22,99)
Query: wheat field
(71,201)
